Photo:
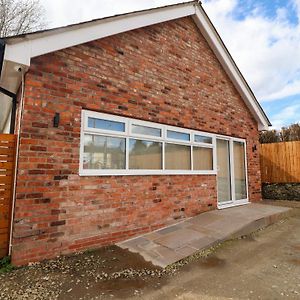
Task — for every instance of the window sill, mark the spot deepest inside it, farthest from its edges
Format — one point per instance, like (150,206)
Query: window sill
(143,173)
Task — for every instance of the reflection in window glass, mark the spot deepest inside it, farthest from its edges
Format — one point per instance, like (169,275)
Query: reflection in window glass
(203,139)
(178,135)
(202,158)
(239,170)
(145,155)
(177,157)
(145,130)
(224,174)
(102,152)
(106,124)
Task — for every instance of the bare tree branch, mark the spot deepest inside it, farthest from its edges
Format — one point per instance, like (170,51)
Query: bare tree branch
(286,134)
(21,16)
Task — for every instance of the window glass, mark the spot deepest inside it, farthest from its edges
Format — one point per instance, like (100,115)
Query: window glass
(177,157)
(224,173)
(202,158)
(103,152)
(145,155)
(178,135)
(106,124)
(145,130)
(239,170)
(203,139)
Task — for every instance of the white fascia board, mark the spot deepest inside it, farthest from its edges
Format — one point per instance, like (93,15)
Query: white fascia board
(22,52)
(19,53)
(229,66)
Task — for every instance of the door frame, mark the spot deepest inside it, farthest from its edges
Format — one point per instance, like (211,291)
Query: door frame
(233,201)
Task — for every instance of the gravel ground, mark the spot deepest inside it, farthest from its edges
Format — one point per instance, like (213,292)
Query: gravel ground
(78,276)
(105,273)
(265,265)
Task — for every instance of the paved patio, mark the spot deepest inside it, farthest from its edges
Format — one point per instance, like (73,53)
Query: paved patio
(168,245)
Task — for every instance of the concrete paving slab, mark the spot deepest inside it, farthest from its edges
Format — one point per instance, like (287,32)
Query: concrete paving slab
(153,236)
(173,243)
(226,225)
(169,230)
(207,231)
(203,243)
(186,251)
(179,238)
(166,254)
(206,219)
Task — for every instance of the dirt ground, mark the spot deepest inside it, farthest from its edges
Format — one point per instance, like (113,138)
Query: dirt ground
(265,265)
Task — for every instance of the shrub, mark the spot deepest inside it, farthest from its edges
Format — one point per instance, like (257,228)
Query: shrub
(5,265)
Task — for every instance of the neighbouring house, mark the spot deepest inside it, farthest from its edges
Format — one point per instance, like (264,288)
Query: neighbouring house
(125,124)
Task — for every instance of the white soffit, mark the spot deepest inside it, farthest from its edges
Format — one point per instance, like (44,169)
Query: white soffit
(20,50)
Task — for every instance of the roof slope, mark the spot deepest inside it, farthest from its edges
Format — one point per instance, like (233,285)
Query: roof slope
(20,49)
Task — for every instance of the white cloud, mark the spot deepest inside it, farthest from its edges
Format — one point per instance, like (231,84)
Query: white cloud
(292,88)
(266,49)
(286,116)
(64,12)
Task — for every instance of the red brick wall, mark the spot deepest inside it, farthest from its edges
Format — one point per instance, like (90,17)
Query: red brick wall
(164,73)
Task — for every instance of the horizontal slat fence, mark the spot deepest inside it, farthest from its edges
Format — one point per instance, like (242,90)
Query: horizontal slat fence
(7,165)
(280,162)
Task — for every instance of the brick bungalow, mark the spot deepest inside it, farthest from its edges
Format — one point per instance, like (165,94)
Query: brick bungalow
(125,124)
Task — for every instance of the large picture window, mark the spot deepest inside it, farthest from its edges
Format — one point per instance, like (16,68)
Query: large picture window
(112,145)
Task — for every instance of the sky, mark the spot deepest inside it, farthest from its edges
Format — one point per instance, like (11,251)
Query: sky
(263,36)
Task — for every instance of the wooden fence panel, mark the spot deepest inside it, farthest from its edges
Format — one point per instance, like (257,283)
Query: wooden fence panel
(7,166)
(280,162)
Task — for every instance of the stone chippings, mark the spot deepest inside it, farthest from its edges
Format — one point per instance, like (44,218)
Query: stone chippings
(40,281)
(279,191)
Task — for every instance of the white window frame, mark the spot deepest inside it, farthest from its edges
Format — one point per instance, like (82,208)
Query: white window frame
(234,201)
(127,134)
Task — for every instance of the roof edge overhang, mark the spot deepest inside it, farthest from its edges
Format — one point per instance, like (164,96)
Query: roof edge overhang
(19,50)
(22,49)
(217,45)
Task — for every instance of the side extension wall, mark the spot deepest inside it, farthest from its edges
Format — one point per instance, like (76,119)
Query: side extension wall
(164,73)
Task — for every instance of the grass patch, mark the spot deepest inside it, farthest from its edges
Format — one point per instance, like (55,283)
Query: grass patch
(5,265)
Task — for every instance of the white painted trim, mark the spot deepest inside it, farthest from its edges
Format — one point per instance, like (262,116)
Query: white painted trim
(95,115)
(246,170)
(234,201)
(128,135)
(143,172)
(237,203)
(81,149)
(213,39)
(51,41)
(145,124)
(232,179)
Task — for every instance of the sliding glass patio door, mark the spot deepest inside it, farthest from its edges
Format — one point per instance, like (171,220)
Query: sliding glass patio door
(224,172)
(232,172)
